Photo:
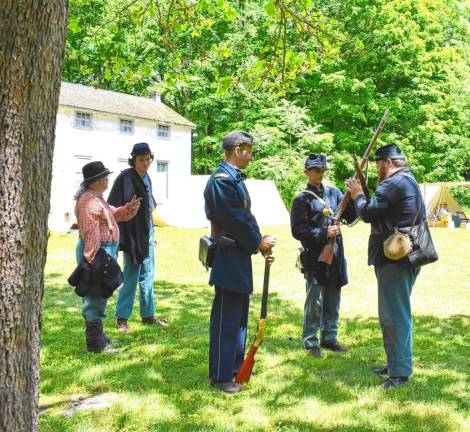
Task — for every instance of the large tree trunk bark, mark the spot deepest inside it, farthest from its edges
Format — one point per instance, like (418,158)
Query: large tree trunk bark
(32,38)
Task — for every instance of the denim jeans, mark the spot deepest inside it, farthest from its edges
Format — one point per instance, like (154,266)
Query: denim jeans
(143,275)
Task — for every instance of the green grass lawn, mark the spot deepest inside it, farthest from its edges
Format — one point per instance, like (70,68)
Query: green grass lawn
(158,382)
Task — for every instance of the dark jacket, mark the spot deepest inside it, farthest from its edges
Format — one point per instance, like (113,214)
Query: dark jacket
(98,279)
(228,205)
(396,202)
(310,226)
(134,234)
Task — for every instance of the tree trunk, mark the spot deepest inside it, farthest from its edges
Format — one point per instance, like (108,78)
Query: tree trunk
(32,38)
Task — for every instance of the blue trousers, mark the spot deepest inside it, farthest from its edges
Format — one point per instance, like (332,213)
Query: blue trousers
(94,308)
(228,324)
(143,275)
(395,284)
(321,312)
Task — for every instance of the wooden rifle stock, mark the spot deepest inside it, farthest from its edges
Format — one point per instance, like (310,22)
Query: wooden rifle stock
(326,255)
(246,369)
(361,177)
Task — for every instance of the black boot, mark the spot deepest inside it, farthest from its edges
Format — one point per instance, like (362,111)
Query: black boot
(106,341)
(96,341)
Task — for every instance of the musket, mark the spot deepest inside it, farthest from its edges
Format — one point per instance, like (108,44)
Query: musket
(360,177)
(244,374)
(326,255)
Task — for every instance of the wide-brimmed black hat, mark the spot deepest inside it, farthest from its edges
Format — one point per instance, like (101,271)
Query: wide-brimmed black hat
(316,160)
(93,171)
(236,138)
(389,151)
(140,149)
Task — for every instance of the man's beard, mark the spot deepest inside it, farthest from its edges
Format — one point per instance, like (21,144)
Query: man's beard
(380,177)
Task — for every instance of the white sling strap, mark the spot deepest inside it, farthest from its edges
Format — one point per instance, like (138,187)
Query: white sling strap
(324,203)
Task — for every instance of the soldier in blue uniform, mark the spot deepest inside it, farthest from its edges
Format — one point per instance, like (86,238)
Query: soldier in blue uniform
(227,206)
(397,203)
(310,223)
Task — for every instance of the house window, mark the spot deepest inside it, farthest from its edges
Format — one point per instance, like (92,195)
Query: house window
(163,131)
(162,166)
(126,126)
(82,120)
(161,182)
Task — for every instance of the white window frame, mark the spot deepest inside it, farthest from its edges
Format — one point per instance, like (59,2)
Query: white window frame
(167,163)
(167,127)
(77,124)
(123,126)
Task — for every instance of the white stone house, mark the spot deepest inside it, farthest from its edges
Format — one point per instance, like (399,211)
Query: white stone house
(95,124)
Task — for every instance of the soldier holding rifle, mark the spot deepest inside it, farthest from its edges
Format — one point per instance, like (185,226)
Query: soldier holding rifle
(237,235)
(311,217)
(397,203)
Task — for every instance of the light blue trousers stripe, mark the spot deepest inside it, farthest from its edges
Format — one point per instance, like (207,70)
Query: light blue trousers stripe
(94,308)
(143,275)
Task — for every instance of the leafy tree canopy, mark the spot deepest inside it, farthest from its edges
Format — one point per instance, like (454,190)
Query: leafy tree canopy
(302,75)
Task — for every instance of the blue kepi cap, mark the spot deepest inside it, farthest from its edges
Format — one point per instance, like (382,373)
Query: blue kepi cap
(316,160)
(140,149)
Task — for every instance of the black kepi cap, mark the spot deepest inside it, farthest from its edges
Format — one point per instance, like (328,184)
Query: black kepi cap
(389,151)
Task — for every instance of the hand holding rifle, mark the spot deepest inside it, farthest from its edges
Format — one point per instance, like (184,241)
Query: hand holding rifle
(354,187)
(266,245)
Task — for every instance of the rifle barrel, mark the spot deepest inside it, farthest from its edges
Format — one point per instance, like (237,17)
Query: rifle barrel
(365,157)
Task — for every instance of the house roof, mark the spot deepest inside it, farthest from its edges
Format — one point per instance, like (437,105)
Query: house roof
(90,98)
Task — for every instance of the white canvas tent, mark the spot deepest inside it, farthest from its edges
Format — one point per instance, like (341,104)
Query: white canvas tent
(437,195)
(187,210)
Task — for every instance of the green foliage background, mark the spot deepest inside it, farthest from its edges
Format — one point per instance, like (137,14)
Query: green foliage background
(302,75)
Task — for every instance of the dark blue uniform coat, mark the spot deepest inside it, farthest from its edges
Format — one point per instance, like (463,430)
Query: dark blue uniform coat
(310,226)
(227,205)
(395,204)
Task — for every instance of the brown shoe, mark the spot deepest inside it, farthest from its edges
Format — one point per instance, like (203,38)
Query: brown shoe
(155,321)
(393,382)
(314,352)
(334,346)
(121,325)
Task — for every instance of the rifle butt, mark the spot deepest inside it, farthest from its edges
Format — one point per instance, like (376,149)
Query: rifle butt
(326,255)
(246,369)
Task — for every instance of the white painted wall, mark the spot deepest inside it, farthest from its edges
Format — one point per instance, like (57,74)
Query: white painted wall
(105,142)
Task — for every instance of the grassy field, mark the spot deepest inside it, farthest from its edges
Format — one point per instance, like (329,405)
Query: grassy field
(158,382)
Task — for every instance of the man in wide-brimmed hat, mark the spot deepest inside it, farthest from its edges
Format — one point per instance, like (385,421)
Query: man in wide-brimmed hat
(98,229)
(310,223)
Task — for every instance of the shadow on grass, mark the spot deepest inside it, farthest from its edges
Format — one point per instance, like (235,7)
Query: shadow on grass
(172,362)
